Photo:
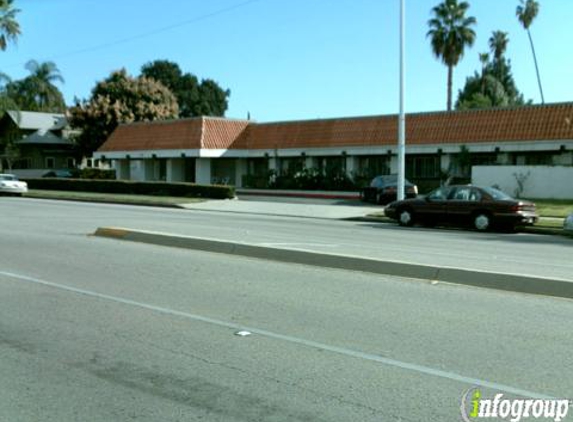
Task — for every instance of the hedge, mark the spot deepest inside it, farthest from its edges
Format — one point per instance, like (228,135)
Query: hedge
(135,188)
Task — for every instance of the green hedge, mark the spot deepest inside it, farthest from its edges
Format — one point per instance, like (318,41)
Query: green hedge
(131,187)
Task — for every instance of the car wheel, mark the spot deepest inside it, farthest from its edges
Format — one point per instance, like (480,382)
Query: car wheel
(482,221)
(405,217)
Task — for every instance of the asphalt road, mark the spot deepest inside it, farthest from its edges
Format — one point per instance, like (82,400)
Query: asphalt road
(99,330)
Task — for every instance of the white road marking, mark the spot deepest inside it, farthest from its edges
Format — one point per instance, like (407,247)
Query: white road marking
(295,340)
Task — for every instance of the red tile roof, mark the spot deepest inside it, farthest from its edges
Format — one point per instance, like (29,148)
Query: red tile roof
(533,123)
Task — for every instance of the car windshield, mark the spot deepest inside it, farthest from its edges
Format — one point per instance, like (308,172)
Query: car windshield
(7,177)
(497,194)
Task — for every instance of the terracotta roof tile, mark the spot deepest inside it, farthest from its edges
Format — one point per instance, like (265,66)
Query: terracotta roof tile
(535,123)
(169,134)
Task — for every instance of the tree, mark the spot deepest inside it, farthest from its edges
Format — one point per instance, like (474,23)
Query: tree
(450,33)
(526,13)
(11,153)
(37,92)
(119,99)
(495,87)
(482,91)
(9,27)
(498,44)
(205,98)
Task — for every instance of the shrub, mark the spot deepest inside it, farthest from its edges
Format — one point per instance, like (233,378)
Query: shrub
(95,173)
(136,188)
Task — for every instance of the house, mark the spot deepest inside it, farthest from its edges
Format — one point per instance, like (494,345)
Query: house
(207,149)
(41,143)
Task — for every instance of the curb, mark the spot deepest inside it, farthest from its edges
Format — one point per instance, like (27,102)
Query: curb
(105,201)
(499,281)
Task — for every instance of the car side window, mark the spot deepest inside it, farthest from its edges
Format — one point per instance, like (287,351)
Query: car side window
(475,195)
(439,194)
(461,194)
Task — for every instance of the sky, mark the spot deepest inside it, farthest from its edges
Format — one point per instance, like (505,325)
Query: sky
(287,59)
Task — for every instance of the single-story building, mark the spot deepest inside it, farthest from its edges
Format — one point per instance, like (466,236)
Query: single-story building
(221,150)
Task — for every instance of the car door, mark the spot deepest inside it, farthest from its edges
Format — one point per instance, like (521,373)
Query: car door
(462,203)
(433,209)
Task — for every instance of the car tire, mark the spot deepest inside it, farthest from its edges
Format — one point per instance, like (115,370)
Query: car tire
(482,221)
(405,217)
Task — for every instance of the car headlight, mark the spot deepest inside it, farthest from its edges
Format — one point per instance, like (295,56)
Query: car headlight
(3,185)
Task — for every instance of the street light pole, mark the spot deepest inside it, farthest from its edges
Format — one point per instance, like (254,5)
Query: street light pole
(402,116)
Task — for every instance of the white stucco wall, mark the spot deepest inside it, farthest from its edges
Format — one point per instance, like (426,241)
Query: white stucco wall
(551,182)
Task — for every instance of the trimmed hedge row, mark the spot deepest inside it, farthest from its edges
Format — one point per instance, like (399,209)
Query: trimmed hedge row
(136,188)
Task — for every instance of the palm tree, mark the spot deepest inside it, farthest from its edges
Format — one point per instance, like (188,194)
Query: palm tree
(484,60)
(9,28)
(451,32)
(526,13)
(41,81)
(498,44)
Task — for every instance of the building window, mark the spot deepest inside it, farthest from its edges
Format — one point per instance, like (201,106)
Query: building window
(423,167)
(50,162)
(373,165)
(70,163)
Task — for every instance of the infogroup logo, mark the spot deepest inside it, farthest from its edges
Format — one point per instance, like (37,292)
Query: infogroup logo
(475,407)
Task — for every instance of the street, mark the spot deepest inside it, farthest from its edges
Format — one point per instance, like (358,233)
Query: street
(99,330)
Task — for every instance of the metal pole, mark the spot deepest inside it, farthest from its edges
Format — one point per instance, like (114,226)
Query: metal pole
(402,116)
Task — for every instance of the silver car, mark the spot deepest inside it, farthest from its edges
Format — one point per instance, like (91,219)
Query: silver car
(9,184)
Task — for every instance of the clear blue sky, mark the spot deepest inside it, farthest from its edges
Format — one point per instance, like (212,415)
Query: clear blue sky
(287,59)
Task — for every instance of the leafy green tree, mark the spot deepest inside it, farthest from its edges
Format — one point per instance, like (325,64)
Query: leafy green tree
(495,87)
(482,91)
(9,27)
(205,98)
(451,31)
(120,99)
(526,13)
(37,92)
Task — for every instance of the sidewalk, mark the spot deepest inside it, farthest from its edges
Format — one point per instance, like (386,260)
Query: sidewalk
(329,211)
(300,193)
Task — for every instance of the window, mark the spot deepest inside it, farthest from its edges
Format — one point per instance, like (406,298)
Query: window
(50,162)
(374,165)
(422,167)
(70,163)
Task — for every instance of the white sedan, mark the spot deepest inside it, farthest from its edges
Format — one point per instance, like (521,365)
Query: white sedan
(11,185)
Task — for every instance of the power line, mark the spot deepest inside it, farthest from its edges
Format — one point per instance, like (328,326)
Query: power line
(147,34)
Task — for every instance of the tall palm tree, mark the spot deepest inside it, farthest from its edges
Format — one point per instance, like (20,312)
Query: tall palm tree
(41,82)
(526,13)
(450,33)
(484,60)
(9,28)
(498,44)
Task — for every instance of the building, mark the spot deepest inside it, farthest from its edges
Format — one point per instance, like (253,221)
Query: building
(41,142)
(219,150)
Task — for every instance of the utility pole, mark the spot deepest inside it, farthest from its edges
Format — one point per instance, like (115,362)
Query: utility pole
(402,116)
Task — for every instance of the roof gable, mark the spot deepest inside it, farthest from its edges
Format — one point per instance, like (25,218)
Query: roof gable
(31,120)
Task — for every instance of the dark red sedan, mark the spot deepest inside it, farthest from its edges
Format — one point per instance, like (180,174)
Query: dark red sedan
(465,205)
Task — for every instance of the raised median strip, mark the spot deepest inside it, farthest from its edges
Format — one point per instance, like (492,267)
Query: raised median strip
(501,281)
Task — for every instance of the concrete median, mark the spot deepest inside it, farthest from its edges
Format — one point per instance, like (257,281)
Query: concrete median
(500,281)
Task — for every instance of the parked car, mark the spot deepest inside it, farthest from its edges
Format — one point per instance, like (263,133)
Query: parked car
(9,184)
(464,205)
(568,224)
(65,174)
(384,189)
